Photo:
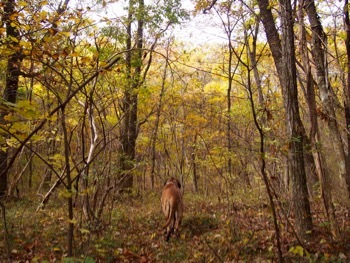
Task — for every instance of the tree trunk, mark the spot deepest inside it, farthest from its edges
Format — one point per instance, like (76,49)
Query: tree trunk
(347,89)
(262,155)
(321,168)
(156,125)
(194,163)
(12,77)
(272,34)
(228,27)
(69,186)
(284,59)
(129,127)
(252,57)
(295,128)
(319,41)
(230,73)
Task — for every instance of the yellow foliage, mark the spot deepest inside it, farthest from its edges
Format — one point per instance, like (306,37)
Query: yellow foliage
(65,193)
(22,3)
(72,221)
(38,88)
(13,39)
(112,119)
(66,34)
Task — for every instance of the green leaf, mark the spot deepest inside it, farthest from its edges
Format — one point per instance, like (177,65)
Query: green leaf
(65,193)
(298,250)
(13,39)
(84,231)
(89,260)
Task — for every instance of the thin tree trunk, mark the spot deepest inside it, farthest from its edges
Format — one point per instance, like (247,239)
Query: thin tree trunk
(264,173)
(228,27)
(6,234)
(51,147)
(319,53)
(84,173)
(194,163)
(320,165)
(253,60)
(15,181)
(47,196)
(156,125)
(69,187)
(229,103)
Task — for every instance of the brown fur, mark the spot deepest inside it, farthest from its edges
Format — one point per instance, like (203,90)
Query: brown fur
(172,206)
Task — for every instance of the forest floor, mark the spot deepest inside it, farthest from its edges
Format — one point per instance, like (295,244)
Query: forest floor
(131,232)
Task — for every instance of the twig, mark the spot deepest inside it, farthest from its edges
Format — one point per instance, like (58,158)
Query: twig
(6,232)
(241,249)
(48,194)
(211,248)
(205,11)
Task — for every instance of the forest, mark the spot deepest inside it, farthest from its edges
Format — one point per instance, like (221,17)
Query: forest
(103,101)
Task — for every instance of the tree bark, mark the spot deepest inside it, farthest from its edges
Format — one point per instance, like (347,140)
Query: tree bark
(262,156)
(295,127)
(69,186)
(321,168)
(228,27)
(284,59)
(319,54)
(253,59)
(347,89)
(272,34)
(129,127)
(194,164)
(12,78)
(158,114)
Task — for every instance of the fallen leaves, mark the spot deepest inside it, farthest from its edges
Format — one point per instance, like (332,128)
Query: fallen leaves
(209,233)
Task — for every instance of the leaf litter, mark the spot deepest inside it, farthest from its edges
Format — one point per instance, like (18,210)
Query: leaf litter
(210,233)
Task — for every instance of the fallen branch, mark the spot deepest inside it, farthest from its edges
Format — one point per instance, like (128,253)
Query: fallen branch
(50,192)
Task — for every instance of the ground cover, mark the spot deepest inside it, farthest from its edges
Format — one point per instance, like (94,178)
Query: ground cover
(212,231)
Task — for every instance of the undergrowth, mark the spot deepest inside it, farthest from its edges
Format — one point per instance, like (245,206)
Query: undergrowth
(212,231)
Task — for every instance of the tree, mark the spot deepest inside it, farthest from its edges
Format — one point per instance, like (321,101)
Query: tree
(322,169)
(229,24)
(158,115)
(319,43)
(284,57)
(347,88)
(137,64)
(13,71)
(294,125)
(133,60)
